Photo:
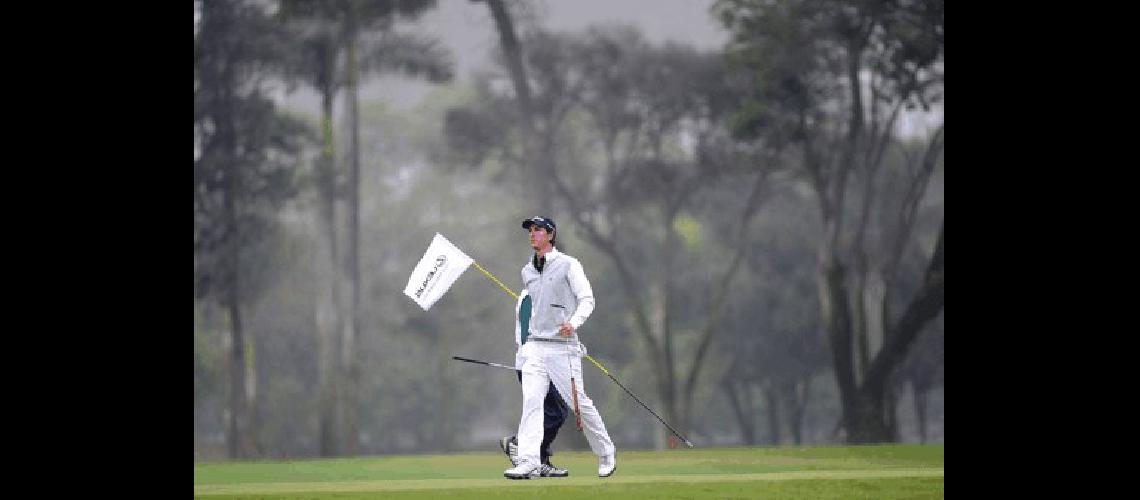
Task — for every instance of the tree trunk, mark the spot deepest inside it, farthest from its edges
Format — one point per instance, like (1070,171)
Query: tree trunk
(920,392)
(871,422)
(859,319)
(534,182)
(350,373)
(863,328)
(743,417)
(239,439)
(891,404)
(328,306)
(868,423)
(772,398)
(443,436)
(240,443)
(798,401)
(672,408)
(925,306)
(833,299)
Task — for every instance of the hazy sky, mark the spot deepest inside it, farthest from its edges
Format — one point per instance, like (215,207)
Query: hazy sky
(467,30)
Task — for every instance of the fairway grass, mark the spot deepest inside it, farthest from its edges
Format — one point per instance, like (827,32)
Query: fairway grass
(880,471)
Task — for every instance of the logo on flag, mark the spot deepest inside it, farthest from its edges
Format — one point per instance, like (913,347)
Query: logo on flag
(440,266)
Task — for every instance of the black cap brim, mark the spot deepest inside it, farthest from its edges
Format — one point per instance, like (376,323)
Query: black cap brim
(526,224)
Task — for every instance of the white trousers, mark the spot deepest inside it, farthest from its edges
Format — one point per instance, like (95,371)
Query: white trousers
(542,363)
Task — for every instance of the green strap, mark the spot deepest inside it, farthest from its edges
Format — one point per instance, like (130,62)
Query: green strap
(524,319)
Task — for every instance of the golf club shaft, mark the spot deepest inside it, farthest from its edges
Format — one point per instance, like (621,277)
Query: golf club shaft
(643,405)
(496,365)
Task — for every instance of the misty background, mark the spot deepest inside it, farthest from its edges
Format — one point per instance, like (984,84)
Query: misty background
(755,189)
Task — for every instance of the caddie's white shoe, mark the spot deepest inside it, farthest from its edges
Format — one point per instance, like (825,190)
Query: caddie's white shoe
(524,470)
(549,470)
(607,465)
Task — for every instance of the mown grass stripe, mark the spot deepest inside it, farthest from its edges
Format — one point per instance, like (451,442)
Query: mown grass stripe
(433,484)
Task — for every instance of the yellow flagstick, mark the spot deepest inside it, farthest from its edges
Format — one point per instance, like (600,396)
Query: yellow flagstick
(496,280)
(599,365)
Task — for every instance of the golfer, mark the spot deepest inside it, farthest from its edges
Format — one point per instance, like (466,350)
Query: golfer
(561,301)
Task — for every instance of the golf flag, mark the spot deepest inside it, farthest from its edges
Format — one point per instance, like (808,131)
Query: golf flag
(440,266)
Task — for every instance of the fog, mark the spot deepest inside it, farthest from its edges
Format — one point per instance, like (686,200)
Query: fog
(764,264)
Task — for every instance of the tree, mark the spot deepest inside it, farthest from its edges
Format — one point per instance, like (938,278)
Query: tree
(362,32)
(534,169)
(245,162)
(315,62)
(814,65)
(388,51)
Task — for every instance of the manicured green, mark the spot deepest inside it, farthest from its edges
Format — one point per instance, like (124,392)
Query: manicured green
(880,471)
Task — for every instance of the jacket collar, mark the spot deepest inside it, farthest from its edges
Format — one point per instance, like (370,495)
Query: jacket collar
(549,257)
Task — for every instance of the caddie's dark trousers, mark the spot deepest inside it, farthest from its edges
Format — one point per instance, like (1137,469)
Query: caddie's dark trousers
(554,414)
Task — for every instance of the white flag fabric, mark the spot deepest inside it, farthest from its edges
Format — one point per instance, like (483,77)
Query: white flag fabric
(440,266)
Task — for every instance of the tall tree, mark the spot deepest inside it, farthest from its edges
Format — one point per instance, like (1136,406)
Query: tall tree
(534,167)
(835,75)
(315,24)
(362,32)
(371,46)
(244,168)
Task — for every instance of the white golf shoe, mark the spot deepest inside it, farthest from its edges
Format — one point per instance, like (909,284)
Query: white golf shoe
(524,470)
(607,464)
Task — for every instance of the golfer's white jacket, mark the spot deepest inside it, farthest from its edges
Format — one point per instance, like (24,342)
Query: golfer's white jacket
(559,293)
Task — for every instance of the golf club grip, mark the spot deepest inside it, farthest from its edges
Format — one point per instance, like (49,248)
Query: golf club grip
(469,360)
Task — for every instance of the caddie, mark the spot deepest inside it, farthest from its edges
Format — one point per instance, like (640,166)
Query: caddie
(553,409)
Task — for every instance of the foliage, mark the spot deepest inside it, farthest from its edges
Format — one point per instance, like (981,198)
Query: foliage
(831,78)
(795,54)
(246,151)
(319,27)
